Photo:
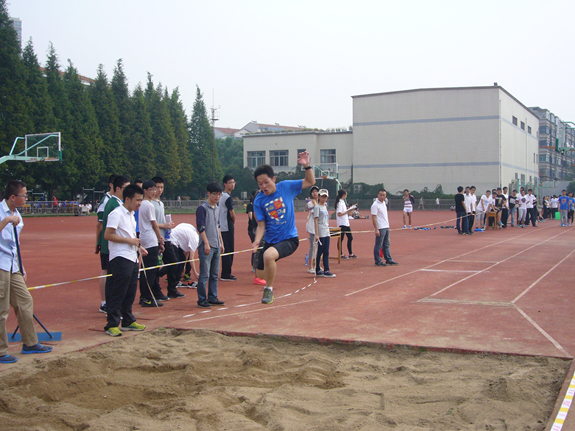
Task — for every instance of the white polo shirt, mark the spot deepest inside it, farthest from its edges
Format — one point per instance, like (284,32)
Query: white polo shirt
(185,236)
(147,215)
(125,224)
(379,210)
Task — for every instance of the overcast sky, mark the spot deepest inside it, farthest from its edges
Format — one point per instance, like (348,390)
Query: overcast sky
(299,62)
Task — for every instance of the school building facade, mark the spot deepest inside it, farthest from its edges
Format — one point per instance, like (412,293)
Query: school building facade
(418,139)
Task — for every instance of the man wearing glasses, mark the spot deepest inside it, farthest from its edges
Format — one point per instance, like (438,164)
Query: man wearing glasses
(13,289)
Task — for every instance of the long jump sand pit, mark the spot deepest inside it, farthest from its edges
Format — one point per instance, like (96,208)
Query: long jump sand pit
(169,379)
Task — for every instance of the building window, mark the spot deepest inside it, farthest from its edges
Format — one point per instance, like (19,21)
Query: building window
(523,125)
(256,158)
(327,156)
(542,157)
(529,129)
(279,158)
(515,121)
(543,143)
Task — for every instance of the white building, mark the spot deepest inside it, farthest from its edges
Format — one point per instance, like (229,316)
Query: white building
(418,139)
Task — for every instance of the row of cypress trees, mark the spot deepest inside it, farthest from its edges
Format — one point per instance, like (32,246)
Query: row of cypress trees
(106,127)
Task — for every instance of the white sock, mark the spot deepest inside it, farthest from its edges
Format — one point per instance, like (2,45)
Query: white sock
(270,288)
(103,303)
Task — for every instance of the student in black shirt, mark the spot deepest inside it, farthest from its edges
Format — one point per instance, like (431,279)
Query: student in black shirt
(461,212)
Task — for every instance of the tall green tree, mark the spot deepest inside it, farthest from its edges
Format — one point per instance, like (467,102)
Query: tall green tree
(82,161)
(204,152)
(167,161)
(127,118)
(41,105)
(15,117)
(139,146)
(42,113)
(108,116)
(182,135)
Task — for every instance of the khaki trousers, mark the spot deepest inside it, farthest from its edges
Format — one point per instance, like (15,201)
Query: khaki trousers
(14,293)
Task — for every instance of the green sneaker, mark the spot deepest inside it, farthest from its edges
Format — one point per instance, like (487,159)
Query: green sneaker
(134,327)
(268,297)
(114,331)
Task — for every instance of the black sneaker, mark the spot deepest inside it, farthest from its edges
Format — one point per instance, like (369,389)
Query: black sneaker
(149,303)
(162,298)
(176,295)
(216,302)
(103,309)
(230,278)
(380,264)
(391,262)
(204,304)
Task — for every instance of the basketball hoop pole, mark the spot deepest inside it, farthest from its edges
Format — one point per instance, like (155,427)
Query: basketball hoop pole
(26,158)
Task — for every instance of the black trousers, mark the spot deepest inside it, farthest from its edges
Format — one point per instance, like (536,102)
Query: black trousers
(228,261)
(531,215)
(470,221)
(346,230)
(504,216)
(180,257)
(169,256)
(121,292)
(149,277)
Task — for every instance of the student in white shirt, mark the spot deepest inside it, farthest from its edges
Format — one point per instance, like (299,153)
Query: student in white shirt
(381,226)
(322,235)
(123,247)
(483,207)
(342,213)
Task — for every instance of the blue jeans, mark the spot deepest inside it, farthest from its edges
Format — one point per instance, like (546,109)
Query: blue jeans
(462,226)
(382,242)
(209,269)
(511,215)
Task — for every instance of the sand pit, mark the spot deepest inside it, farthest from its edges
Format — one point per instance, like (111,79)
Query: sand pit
(200,380)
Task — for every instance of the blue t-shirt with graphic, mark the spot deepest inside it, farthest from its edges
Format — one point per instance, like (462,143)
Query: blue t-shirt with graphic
(564,202)
(277,210)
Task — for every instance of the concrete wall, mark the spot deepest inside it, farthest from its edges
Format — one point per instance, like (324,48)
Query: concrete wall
(313,142)
(519,148)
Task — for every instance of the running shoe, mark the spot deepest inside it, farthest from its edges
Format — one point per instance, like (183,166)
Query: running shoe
(162,298)
(352,256)
(134,327)
(8,359)
(328,274)
(103,309)
(114,332)
(150,303)
(319,274)
(404,227)
(344,257)
(36,348)
(176,295)
(391,262)
(260,282)
(230,278)
(216,302)
(268,297)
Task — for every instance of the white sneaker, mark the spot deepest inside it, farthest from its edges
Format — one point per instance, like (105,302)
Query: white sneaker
(311,271)
(404,227)
(409,226)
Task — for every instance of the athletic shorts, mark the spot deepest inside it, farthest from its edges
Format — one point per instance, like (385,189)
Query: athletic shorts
(104,259)
(408,210)
(284,248)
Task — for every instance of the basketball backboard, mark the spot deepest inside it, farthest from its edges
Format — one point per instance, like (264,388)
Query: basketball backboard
(43,147)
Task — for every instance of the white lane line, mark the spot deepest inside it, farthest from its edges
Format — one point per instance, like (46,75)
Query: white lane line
(438,263)
(543,276)
(466,302)
(542,331)
(266,308)
(494,265)
(448,270)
